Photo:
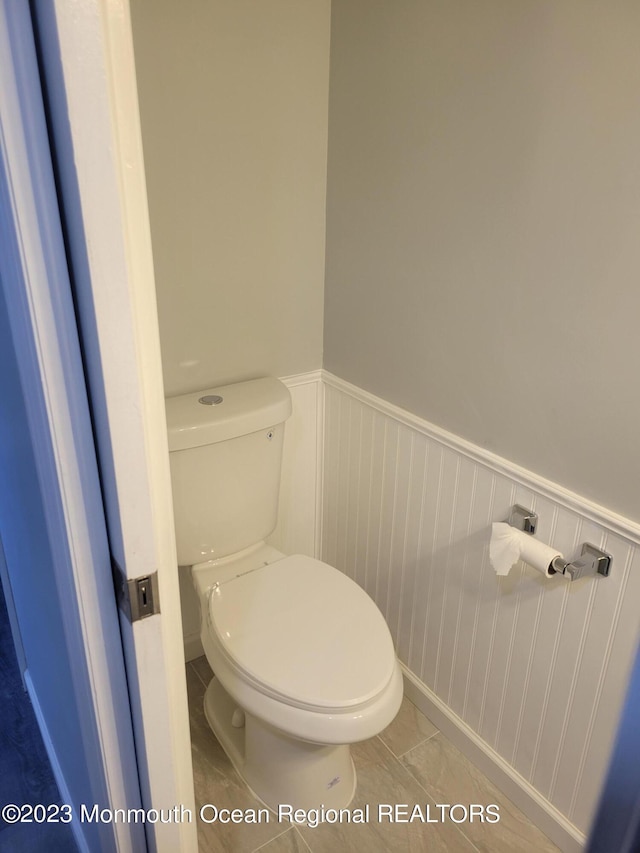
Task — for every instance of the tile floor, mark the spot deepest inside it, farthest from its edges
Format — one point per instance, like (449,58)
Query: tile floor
(411,763)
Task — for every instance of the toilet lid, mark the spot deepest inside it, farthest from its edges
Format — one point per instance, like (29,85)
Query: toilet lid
(303,632)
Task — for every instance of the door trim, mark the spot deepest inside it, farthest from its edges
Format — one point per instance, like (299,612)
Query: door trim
(44,334)
(88,60)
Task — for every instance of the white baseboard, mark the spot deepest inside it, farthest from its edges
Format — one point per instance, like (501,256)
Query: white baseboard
(65,796)
(547,818)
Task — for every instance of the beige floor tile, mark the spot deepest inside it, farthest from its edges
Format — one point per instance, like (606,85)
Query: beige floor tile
(383,780)
(216,782)
(429,763)
(449,777)
(409,729)
(202,668)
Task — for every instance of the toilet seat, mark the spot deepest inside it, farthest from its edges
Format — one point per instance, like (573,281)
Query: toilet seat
(301,632)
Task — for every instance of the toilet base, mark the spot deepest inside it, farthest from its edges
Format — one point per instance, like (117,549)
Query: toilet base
(280,770)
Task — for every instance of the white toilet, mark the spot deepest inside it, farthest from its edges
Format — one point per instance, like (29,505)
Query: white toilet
(304,662)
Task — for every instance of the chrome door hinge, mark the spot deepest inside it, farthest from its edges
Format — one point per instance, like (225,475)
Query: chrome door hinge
(138,597)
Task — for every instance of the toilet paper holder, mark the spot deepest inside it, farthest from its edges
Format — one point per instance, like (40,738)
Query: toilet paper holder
(592,560)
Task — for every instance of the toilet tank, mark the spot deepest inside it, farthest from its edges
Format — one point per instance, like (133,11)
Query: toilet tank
(225,452)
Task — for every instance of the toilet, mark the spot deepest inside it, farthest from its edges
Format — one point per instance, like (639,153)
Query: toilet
(303,660)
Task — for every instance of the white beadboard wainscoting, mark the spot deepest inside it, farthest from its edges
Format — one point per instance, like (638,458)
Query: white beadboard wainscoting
(526,674)
(300,502)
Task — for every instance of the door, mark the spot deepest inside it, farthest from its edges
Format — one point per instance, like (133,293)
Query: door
(117,511)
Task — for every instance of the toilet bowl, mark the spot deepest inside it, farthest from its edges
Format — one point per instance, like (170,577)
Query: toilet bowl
(303,660)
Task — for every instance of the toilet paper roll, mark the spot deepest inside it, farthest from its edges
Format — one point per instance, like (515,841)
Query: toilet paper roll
(508,545)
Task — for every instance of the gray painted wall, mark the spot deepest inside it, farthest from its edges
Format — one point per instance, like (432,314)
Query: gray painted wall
(233,101)
(483,226)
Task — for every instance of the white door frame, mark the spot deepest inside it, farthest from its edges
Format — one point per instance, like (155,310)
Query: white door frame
(89,73)
(40,324)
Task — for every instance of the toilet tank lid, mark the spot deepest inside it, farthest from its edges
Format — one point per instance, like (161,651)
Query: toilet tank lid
(245,407)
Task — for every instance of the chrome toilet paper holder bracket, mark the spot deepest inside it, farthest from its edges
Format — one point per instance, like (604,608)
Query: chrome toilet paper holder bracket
(592,561)
(523,519)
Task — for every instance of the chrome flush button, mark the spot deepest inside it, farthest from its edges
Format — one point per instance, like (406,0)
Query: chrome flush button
(211,400)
